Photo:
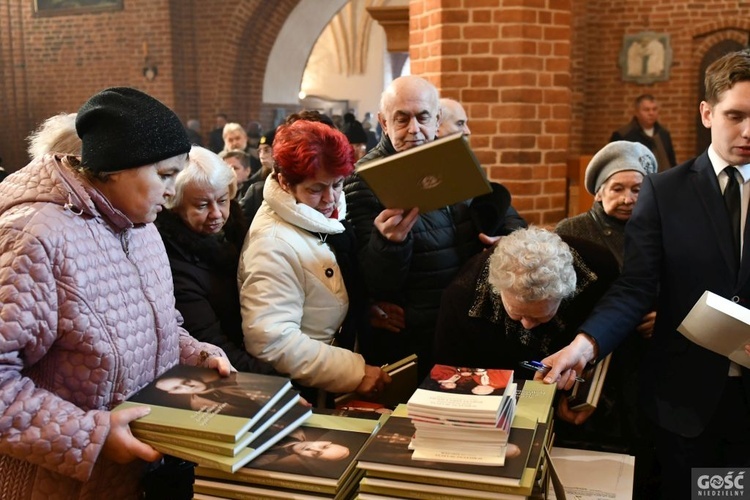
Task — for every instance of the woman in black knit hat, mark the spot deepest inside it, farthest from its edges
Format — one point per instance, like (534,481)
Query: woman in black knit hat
(87,314)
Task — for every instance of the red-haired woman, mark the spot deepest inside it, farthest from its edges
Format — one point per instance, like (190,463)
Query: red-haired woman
(297,268)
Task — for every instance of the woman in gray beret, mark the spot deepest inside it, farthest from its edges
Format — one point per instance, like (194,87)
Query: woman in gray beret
(614,176)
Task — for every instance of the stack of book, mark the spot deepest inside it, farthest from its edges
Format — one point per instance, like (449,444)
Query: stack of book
(391,473)
(219,422)
(318,460)
(463,415)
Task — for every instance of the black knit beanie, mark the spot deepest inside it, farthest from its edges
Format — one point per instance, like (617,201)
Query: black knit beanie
(124,128)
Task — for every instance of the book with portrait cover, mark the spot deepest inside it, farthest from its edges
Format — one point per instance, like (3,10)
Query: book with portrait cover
(287,401)
(533,416)
(319,457)
(461,394)
(431,176)
(389,451)
(197,401)
(285,425)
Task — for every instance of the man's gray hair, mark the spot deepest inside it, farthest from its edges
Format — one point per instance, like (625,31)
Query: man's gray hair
(532,264)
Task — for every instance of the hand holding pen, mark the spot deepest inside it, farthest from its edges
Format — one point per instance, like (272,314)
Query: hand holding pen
(541,367)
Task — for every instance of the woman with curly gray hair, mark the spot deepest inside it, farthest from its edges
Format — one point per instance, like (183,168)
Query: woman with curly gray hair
(532,272)
(520,299)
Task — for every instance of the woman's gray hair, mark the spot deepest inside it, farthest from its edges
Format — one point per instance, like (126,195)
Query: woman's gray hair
(56,134)
(204,169)
(532,264)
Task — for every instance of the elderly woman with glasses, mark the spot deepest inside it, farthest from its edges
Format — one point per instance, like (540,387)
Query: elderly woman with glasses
(203,230)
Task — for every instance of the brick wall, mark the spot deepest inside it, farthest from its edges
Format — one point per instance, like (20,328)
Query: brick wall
(606,100)
(508,63)
(210,58)
(53,64)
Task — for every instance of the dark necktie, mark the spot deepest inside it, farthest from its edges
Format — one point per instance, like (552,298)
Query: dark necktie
(733,200)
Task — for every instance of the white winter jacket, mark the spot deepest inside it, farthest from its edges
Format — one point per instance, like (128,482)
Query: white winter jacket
(292,293)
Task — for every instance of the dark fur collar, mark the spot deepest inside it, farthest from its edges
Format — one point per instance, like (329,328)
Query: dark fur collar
(219,251)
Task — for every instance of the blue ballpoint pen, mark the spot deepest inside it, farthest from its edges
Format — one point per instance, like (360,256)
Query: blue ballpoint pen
(541,367)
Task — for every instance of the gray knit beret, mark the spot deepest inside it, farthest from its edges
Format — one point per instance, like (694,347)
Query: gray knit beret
(616,157)
(123,128)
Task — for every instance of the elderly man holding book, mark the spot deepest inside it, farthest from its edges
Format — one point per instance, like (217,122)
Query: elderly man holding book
(409,257)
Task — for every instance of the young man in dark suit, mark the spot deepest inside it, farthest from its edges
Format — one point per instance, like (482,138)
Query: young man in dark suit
(679,243)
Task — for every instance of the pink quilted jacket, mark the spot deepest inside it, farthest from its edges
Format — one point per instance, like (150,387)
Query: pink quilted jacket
(87,318)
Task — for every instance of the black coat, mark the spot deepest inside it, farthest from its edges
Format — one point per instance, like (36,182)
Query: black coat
(204,270)
(634,133)
(412,274)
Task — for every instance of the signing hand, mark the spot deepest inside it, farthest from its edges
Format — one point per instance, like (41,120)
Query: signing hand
(121,446)
(568,362)
(394,225)
(387,316)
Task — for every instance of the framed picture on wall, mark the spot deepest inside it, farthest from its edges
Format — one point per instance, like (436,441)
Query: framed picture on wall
(646,57)
(67,7)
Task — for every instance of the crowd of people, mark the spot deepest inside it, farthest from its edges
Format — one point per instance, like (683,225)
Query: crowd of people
(126,247)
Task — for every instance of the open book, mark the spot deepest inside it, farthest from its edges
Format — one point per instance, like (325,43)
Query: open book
(431,176)
(719,325)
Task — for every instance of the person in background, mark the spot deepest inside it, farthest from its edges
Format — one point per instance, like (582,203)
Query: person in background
(614,176)
(254,133)
(235,137)
(453,118)
(57,134)
(338,122)
(356,135)
(646,129)
(193,129)
(216,137)
(239,161)
(372,138)
(254,196)
(203,230)
(679,243)
(408,258)
(298,273)
(87,314)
